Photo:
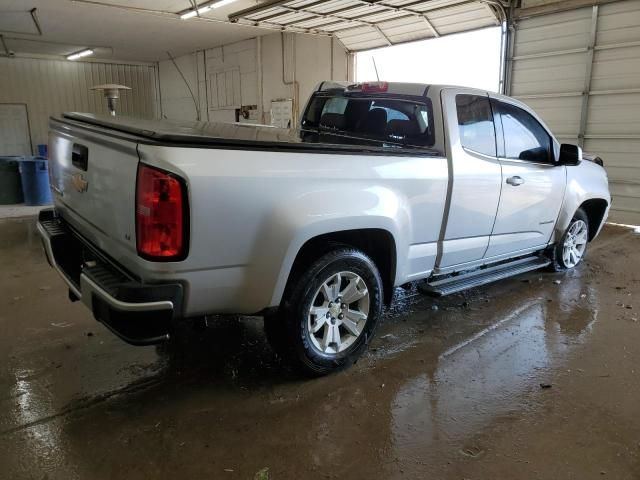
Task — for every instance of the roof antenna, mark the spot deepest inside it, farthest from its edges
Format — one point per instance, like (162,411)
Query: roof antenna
(373,59)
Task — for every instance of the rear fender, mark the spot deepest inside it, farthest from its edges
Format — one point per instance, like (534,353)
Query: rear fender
(327,211)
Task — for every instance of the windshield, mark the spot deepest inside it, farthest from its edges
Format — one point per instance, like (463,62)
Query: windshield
(399,121)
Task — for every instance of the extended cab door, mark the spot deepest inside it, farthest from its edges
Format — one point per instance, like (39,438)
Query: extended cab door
(533,184)
(475,177)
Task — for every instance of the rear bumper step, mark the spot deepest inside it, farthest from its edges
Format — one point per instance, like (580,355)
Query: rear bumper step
(482,276)
(140,314)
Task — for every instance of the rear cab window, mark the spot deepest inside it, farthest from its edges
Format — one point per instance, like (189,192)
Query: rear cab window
(393,121)
(475,124)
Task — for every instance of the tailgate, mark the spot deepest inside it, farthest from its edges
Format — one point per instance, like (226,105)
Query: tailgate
(93,178)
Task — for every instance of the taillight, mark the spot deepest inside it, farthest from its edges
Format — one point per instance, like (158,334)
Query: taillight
(161,220)
(375,87)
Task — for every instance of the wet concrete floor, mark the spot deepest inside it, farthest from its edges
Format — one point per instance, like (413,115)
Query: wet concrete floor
(450,389)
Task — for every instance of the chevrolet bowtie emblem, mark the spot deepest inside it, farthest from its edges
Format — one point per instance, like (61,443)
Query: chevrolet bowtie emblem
(79,183)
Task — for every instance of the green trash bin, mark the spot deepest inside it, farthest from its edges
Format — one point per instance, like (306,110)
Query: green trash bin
(10,183)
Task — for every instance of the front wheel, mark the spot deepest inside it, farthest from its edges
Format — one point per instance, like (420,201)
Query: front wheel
(330,312)
(571,249)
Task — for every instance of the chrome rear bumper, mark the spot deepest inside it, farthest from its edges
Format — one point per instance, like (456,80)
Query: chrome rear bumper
(139,313)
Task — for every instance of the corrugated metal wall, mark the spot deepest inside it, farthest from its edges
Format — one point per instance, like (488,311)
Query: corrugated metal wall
(581,71)
(49,87)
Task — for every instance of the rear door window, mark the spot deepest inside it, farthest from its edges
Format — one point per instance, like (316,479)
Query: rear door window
(388,120)
(524,137)
(475,124)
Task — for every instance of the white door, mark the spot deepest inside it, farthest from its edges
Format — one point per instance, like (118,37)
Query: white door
(532,184)
(14,130)
(476,173)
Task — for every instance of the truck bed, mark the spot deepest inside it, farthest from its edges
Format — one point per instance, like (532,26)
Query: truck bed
(234,136)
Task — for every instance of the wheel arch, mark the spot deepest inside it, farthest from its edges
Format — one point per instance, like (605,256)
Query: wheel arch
(595,209)
(379,244)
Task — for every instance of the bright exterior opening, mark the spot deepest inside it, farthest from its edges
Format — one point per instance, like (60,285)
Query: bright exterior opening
(468,59)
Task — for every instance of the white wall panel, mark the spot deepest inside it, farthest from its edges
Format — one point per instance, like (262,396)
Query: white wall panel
(552,64)
(232,78)
(616,68)
(14,130)
(562,31)
(533,75)
(49,87)
(560,115)
(247,73)
(614,115)
(177,102)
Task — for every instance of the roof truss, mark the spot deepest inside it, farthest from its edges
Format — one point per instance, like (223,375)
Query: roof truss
(366,24)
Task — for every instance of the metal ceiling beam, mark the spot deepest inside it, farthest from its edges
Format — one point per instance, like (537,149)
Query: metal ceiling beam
(364,3)
(382,34)
(431,27)
(36,23)
(380,6)
(272,10)
(234,17)
(329,15)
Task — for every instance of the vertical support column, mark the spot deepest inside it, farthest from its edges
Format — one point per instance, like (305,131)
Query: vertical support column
(504,33)
(509,49)
(351,66)
(206,82)
(260,75)
(158,113)
(584,109)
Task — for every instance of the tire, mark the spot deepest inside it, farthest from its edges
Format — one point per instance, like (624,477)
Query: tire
(323,334)
(572,247)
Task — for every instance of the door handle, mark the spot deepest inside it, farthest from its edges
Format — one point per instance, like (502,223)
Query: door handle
(515,181)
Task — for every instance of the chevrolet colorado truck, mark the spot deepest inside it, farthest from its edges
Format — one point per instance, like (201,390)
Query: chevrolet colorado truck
(381,185)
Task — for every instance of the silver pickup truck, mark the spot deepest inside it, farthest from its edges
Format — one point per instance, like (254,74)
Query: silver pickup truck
(382,184)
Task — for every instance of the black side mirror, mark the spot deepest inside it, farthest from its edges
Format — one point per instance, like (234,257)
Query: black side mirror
(569,154)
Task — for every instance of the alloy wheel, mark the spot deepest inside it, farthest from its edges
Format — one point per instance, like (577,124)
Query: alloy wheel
(338,313)
(575,243)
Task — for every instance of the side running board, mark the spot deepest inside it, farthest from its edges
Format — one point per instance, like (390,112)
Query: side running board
(482,276)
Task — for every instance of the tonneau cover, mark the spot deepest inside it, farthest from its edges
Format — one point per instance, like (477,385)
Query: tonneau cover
(221,135)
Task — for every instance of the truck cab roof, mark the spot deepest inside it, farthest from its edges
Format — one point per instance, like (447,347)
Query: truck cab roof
(388,88)
(402,89)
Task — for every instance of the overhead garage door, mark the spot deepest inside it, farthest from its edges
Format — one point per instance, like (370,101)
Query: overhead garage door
(365,24)
(580,70)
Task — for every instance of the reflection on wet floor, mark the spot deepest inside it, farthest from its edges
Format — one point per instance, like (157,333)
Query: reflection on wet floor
(78,403)
(488,375)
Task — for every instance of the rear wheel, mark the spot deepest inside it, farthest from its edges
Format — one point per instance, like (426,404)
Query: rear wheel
(329,313)
(571,249)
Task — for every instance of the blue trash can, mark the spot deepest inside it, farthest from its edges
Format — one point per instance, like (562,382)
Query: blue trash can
(43,150)
(34,172)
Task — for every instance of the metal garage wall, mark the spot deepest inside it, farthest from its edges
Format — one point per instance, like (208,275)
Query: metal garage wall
(178,82)
(580,70)
(49,87)
(250,73)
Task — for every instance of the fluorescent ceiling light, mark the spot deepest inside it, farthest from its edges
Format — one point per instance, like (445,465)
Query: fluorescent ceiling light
(80,54)
(221,3)
(205,8)
(193,13)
